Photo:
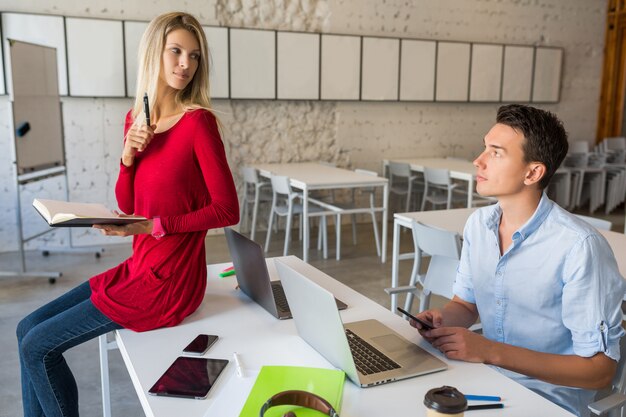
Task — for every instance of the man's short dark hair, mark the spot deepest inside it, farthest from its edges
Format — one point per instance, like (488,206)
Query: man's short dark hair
(545,137)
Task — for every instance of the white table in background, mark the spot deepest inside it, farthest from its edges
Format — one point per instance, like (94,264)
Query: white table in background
(260,339)
(307,176)
(460,169)
(454,220)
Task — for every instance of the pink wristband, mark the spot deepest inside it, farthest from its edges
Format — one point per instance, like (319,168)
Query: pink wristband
(157,228)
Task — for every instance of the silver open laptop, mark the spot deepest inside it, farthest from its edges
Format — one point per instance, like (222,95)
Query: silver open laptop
(253,277)
(369,352)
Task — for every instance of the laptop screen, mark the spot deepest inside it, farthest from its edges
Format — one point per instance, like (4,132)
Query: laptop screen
(251,269)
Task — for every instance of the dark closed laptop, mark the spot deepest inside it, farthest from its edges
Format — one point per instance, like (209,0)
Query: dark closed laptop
(254,278)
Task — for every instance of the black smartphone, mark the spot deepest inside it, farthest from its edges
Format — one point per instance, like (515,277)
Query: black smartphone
(200,344)
(425,325)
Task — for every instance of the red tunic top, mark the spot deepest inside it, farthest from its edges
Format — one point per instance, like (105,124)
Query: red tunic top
(183,178)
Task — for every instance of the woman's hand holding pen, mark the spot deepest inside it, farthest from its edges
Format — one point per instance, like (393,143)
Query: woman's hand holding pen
(137,140)
(138,228)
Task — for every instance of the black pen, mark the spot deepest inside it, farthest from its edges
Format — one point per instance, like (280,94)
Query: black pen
(484,406)
(146,108)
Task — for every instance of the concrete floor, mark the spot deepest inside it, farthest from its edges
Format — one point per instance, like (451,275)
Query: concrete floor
(359,268)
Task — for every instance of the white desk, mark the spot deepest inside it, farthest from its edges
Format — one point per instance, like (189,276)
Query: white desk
(260,339)
(459,169)
(307,176)
(454,220)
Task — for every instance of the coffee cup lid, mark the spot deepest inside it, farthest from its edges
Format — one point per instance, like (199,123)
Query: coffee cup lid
(446,400)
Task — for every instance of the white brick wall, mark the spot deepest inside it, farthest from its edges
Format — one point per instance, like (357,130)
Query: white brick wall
(351,134)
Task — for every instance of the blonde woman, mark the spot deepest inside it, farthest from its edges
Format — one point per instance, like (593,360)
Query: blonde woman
(173,172)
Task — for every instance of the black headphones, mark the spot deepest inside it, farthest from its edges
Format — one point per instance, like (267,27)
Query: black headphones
(300,398)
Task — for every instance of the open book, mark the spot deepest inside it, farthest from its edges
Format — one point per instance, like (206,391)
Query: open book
(64,213)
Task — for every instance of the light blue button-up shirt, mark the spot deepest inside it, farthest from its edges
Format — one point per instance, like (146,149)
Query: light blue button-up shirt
(557,289)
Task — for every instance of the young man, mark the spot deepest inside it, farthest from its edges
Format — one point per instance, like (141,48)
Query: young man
(545,284)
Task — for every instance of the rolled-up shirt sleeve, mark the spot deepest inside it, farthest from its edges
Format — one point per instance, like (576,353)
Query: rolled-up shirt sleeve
(592,292)
(463,287)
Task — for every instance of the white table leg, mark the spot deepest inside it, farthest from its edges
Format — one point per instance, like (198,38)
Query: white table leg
(305,216)
(383,253)
(104,375)
(470,192)
(395,252)
(255,209)
(338,237)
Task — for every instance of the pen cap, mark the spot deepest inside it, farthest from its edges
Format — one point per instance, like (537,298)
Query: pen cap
(22,129)
(445,401)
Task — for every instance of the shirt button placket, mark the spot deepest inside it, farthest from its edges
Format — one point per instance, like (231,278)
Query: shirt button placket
(499,304)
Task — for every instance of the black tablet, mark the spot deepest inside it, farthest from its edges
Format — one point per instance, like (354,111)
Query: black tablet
(189,377)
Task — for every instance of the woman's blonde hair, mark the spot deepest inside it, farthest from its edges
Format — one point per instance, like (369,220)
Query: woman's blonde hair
(196,94)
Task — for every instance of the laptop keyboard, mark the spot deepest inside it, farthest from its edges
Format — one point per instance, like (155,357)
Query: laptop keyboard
(368,360)
(280,298)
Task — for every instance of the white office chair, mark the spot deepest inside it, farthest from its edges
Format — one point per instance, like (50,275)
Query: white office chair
(610,144)
(444,247)
(588,175)
(351,207)
(615,186)
(560,187)
(283,205)
(255,192)
(612,405)
(401,181)
(615,151)
(599,224)
(439,188)
(477,199)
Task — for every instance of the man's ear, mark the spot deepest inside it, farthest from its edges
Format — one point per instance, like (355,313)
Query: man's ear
(535,173)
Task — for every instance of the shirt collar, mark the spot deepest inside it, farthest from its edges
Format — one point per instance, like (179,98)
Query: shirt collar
(492,220)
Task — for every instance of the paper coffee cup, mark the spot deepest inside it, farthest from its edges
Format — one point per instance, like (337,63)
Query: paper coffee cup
(445,402)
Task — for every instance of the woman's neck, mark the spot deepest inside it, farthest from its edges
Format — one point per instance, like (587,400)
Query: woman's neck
(166,105)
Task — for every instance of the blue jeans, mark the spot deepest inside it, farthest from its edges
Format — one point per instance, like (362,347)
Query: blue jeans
(48,386)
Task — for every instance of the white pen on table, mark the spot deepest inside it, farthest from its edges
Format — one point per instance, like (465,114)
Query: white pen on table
(238,366)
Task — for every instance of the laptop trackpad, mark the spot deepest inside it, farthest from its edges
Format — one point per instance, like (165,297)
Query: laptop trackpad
(389,342)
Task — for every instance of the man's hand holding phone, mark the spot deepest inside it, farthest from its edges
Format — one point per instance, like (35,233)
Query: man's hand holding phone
(415,322)
(425,322)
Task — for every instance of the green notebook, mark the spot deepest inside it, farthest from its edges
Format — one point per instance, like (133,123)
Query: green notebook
(327,383)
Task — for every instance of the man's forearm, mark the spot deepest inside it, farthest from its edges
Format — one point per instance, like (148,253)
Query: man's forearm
(457,342)
(456,314)
(595,372)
